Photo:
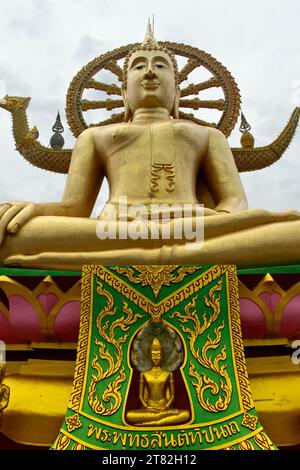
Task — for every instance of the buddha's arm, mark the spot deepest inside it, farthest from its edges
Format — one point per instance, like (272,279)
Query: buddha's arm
(171,391)
(82,186)
(222,175)
(142,391)
(84,180)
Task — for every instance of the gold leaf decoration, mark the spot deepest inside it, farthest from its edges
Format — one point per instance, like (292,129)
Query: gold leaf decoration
(73,422)
(250,421)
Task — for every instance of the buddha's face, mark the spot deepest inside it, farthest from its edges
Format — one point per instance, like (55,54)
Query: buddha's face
(156,357)
(150,81)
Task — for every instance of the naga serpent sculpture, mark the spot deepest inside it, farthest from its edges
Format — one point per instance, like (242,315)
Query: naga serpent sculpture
(247,157)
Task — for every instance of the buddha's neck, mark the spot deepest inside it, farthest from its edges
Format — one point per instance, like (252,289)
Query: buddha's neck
(151,114)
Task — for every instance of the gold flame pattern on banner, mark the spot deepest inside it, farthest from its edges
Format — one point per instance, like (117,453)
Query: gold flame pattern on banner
(111,398)
(203,383)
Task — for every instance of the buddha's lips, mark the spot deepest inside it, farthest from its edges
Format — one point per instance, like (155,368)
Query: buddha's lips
(150,85)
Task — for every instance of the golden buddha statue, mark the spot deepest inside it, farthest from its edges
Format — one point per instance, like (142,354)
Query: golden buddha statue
(156,394)
(153,157)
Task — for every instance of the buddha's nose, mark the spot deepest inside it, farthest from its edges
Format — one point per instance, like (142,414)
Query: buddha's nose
(149,73)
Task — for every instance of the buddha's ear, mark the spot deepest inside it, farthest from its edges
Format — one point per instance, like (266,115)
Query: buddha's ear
(127,112)
(175,110)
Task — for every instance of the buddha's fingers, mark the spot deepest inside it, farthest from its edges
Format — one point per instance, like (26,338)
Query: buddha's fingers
(3,208)
(7,216)
(24,214)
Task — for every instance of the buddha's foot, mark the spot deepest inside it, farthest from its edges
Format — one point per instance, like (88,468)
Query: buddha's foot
(171,417)
(74,261)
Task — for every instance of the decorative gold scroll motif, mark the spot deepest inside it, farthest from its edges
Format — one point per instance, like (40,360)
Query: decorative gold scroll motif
(204,383)
(155,276)
(111,398)
(237,339)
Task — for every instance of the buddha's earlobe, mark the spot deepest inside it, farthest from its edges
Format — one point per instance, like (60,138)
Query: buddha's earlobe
(175,110)
(127,111)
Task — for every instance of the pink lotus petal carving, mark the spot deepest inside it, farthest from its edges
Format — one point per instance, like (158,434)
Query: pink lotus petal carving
(290,320)
(24,318)
(8,334)
(271,299)
(252,319)
(66,323)
(48,301)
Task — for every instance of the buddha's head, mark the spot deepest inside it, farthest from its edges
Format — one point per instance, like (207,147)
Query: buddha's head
(150,78)
(156,352)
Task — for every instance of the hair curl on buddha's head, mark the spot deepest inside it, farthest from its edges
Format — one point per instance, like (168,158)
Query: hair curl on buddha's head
(149,44)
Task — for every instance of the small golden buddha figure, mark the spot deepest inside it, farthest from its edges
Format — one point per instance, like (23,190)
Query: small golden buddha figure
(156,394)
(153,157)
(4,392)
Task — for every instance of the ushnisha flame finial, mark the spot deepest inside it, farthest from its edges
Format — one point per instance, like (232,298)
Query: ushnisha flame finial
(149,44)
(149,37)
(155,345)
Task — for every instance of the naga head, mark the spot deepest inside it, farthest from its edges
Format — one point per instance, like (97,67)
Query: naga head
(150,78)
(12,103)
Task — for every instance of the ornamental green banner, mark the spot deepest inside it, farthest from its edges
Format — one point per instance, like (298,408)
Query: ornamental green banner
(160,363)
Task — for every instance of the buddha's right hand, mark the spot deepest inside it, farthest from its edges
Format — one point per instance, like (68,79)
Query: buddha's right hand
(13,215)
(208,211)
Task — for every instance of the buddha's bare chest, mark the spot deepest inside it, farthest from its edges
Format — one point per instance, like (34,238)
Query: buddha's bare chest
(158,143)
(162,157)
(156,383)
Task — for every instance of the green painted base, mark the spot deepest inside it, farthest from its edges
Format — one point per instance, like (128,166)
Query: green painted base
(294,268)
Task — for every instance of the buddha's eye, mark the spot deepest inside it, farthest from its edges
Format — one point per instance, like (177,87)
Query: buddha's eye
(139,67)
(160,66)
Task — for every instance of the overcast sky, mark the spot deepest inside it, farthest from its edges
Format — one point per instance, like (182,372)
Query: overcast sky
(44,43)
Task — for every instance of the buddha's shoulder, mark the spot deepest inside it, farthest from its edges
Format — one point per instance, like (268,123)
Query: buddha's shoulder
(190,125)
(107,129)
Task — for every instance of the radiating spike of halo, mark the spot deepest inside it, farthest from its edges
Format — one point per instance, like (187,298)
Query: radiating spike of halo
(187,69)
(192,89)
(191,117)
(107,104)
(111,89)
(195,103)
(113,67)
